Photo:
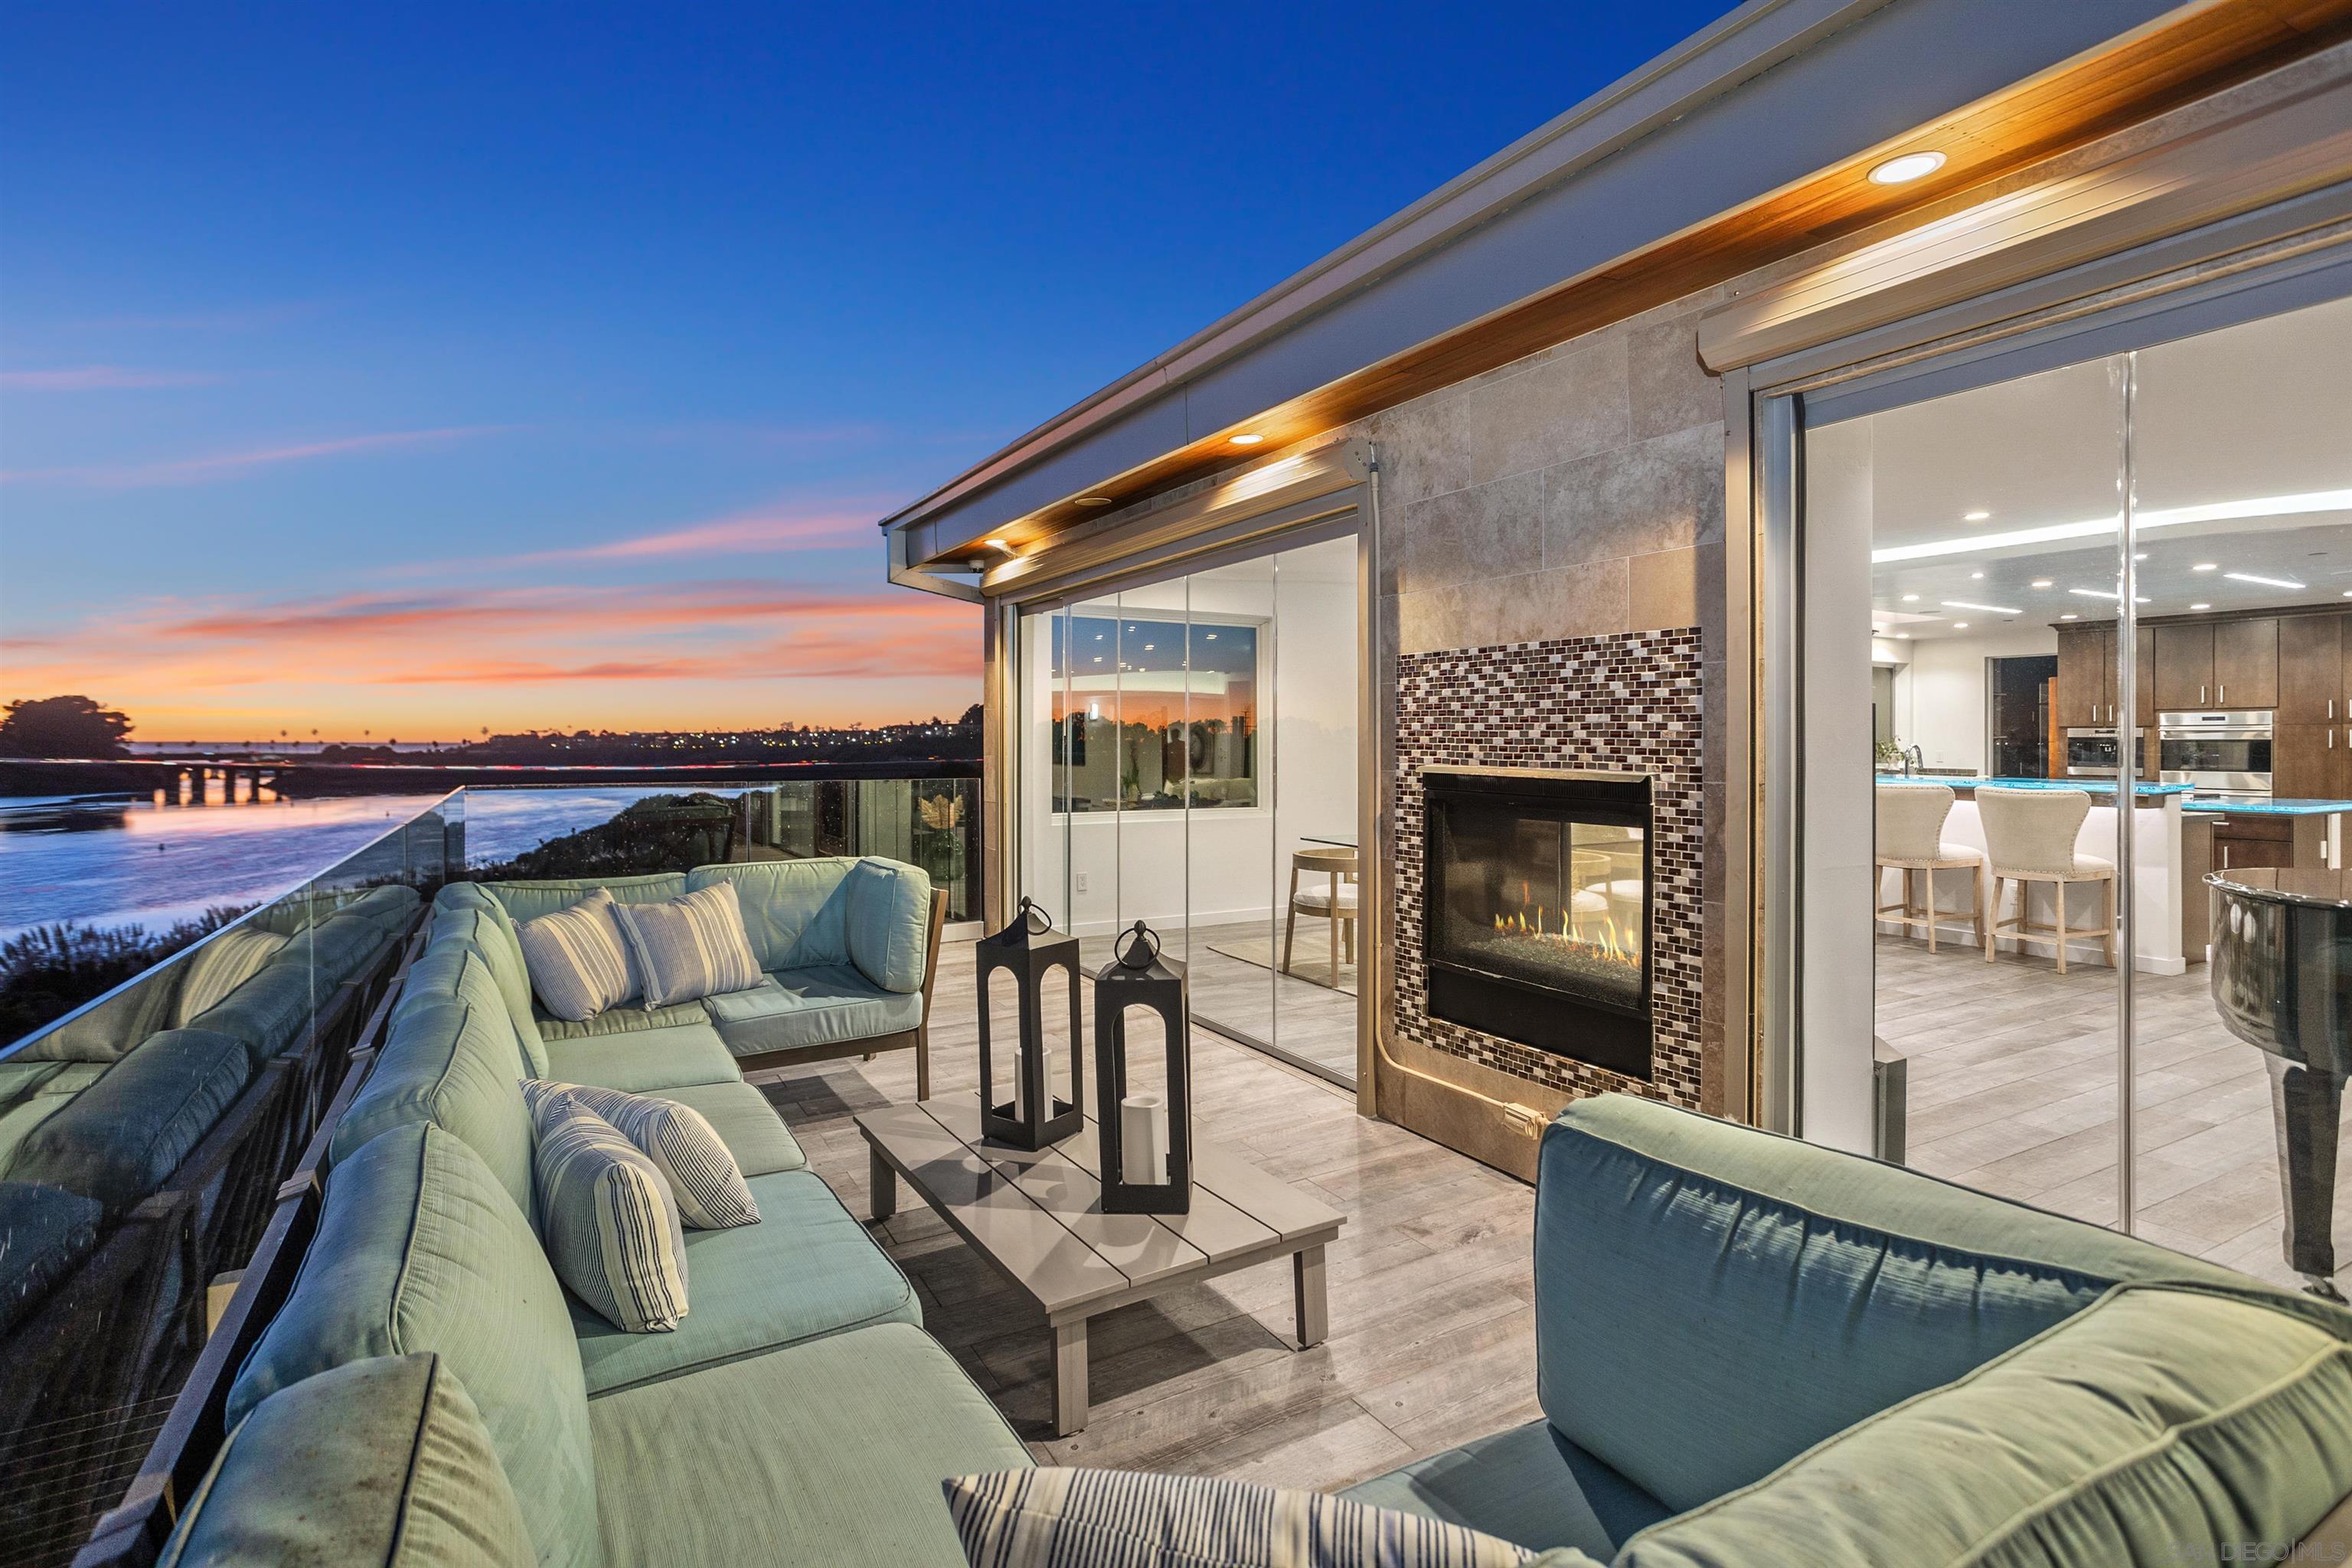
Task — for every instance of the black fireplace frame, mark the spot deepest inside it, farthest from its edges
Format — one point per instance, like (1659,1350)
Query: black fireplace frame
(1563,1023)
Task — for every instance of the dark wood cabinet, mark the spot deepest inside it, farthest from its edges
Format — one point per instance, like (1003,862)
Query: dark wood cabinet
(2312,659)
(2184,666)
(2246,663)
(2085,691)
(2311,762)
(2143,678)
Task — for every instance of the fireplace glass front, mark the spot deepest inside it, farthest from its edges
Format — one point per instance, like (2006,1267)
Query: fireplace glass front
(1537,919)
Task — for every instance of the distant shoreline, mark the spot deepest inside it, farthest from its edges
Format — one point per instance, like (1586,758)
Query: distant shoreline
(308,779)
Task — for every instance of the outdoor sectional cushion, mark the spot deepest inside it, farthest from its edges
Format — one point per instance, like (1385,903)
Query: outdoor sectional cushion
(479,920)
(420,1249)
(1668,1245)
(381,1461)
(33,1092)
(452,969)
(794,911)
(890,922)
(1527,1484)
(271,1013)
(48,1232)
(825,1004)
(807,1269)
(830,1452)
(222,962)
(124,1136)
(645,1061)
(2153,1422)
(342,948)
(529,900)
(451,1063)
(626,1019)
(745,1122)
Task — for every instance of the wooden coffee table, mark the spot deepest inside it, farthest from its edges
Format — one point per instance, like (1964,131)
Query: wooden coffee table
(1037,1218)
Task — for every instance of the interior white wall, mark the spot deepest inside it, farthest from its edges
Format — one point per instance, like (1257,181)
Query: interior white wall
(1943,695)
(1225,864)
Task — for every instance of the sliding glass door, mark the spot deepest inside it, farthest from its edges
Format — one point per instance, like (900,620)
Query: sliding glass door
(1189,760)
(2074,642)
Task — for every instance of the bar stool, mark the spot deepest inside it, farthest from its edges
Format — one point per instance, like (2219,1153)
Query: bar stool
(2030,837)
(1334,901)
(1911,838)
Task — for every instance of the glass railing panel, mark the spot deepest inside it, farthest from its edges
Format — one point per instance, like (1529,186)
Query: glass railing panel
(148,1119)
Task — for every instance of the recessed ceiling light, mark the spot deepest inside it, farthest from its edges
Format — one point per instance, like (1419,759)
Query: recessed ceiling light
(2347,593)
(2041,582)
(1902,636)
(2200,606)
(2069,617)
(2105,527)
(1975,516)
(1250,438)
(1910,598)
(2264,582)
(1910,167)
(1987,609)
(2142,557)
(2203,566)
(1094,501)
(1976,576)
(1960,625)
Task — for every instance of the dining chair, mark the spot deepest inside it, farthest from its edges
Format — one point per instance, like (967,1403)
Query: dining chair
(1910,821)
(2030,837)
(1334,900)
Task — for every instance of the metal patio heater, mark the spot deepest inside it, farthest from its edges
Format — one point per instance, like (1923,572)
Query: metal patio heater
(1147,1142)
(1035,1117)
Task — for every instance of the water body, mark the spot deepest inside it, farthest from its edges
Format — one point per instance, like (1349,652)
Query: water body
(117,860)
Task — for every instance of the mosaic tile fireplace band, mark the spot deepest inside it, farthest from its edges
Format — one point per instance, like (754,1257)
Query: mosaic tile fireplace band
(1630,702)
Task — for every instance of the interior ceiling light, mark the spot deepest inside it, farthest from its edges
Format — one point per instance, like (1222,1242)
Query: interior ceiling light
(1987,609)
(2041,582)
(1248,438)
(2217,512)
(2264,582)
(2069,616)
(1960,625)
(2139,556)
(1910,598)
(2203,566)
(1902,637)
(1976,576)
(2200,606)
(1093,501)
(997,544)
(1975,516)
(2105,594)
(1910,167)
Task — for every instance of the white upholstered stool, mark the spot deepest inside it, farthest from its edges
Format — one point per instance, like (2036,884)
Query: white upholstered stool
(1911,840)
(2030,837)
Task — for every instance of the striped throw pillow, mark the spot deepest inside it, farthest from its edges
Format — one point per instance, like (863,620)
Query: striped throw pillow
(1116,1519)
(684,1147)
(579,962)
(608,1220)
(690,947)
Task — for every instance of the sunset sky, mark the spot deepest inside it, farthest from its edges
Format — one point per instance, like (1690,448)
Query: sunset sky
(423,369)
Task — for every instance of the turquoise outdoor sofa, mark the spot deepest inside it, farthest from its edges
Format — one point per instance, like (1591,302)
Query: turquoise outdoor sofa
(1754,1352)
(798,1414)
(849,949)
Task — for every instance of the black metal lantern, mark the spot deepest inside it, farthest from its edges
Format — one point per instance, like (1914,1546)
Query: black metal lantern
(1146,1146)
(1035,1116)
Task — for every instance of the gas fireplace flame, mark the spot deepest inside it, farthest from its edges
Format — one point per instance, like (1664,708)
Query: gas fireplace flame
(1597,937)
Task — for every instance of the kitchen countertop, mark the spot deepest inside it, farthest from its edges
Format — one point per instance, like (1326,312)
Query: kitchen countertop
(2320,888)
(2269,808)
(2089,786)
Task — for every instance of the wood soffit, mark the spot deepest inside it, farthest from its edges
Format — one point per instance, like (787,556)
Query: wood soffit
(2185,56)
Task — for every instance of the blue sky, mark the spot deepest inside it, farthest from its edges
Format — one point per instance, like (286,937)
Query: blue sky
(426,368)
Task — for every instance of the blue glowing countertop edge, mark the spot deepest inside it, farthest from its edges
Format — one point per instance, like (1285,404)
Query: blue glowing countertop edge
(2089,786)
(2269,808)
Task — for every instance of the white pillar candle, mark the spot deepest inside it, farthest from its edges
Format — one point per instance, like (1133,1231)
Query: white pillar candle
(1143,1141)
(1021,1086)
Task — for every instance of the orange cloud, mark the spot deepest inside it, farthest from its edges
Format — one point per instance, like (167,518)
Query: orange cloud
(230,465)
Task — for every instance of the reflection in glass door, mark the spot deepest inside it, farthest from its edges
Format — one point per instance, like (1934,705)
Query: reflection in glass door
(2171,530)
(1189,760)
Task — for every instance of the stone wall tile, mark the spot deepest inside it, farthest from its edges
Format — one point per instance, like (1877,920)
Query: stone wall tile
(1661,589)
(1665,493)
(1487,531)
(1562,408)
(1669,388)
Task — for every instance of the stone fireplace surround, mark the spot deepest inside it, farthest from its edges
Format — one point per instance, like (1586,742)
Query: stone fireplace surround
(1628,703)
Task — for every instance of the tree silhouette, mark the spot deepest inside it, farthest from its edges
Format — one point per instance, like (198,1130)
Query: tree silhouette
(61,727)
